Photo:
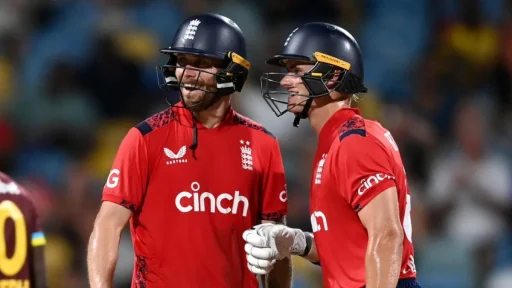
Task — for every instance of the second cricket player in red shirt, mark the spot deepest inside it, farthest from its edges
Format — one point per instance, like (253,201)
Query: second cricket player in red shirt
(359,200)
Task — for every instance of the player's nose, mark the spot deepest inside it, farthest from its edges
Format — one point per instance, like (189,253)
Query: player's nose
(187,74)
(287,81)
(190,72)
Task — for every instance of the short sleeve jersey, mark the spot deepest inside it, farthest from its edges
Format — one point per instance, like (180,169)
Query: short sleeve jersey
(19,232)
(190,207)
(356,160)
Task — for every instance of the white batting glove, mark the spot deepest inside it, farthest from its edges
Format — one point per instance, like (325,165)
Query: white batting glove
(266,243)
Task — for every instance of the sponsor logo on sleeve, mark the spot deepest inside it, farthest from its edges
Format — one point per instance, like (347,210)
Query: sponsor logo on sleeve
(113,178)
(371,181)
(283,196)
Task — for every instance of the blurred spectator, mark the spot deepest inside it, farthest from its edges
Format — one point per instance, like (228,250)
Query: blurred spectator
(60,106)
(415,137)
(470,189)
(468,49)
(470,185)
(114,82)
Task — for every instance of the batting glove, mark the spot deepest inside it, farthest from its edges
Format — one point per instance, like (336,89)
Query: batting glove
(266,243)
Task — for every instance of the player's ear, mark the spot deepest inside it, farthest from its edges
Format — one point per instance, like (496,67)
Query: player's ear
(334,81)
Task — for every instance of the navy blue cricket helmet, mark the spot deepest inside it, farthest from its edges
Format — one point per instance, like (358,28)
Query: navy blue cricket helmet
(209,35)
(329,48)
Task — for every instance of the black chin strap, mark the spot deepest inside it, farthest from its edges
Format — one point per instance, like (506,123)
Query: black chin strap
(195,141)
(194,144)
(303,114)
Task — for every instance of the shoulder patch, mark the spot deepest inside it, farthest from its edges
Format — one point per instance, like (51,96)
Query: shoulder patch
(156,121)
(144,128)
(244,121)
(354,125)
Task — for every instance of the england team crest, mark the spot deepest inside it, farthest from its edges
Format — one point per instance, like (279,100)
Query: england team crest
(246,154)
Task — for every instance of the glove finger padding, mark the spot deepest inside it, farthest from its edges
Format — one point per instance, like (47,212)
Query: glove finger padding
(260,263)
(256,270)
(251,236)
(260,253)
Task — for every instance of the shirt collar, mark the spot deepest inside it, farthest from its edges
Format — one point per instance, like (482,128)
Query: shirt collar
(330,129)
(186,118)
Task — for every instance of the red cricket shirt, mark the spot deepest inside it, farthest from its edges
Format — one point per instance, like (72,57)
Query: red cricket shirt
(190,208)
(356,160)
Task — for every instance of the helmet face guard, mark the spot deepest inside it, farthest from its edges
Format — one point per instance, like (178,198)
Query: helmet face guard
(328,74)
(231,79)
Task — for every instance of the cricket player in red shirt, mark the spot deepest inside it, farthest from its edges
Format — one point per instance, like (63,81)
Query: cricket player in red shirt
(359,202)
(21,238)
(193,177)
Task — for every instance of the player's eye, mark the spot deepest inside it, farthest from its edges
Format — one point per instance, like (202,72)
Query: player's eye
(294,71)
(182,62)
(203,64)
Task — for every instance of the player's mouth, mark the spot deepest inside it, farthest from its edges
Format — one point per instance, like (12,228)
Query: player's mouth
(292,94)
(189,87)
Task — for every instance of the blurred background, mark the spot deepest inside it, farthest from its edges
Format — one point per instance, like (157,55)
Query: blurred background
(76,75)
